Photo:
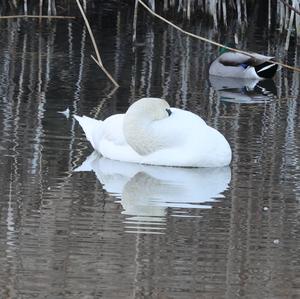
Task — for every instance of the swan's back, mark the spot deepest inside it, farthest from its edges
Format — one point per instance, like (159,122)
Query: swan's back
(191,142)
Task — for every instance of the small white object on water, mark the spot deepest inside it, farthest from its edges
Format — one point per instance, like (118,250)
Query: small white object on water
(276,241)
(265,208)
(49,188)
(66,113)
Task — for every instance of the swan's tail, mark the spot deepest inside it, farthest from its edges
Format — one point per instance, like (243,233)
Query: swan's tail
(91,127)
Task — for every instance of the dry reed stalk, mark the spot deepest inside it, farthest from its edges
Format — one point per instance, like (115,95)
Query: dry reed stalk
(290,7)
(105,71)
(54,11)
(135,20)
(41,7)
(289,30)
(34,16)
(98,60)
(210,41)
(296,5)
(49,8)
(25,7)
(269,14)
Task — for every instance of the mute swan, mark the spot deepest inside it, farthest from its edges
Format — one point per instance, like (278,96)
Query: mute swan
(151,132)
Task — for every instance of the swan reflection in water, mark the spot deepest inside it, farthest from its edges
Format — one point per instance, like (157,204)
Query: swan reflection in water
(243,91)
(146,191)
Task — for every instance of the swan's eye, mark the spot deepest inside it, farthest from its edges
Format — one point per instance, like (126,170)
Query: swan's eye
(169,111)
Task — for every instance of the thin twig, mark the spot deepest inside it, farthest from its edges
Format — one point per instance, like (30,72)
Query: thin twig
(290,7)
(98,60)
(34,16)
(210,41)
(106,72)
(90,31)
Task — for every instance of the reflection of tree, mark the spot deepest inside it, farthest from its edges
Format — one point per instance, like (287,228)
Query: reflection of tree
(284,14)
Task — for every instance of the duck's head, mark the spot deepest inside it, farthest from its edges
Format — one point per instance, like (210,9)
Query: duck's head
(149,109)
(223,50)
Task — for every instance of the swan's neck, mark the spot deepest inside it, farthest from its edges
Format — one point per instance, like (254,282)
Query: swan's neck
(140,135)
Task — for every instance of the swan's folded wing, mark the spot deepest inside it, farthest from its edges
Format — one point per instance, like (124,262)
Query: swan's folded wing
(113,129)
(120,152)
(113,144)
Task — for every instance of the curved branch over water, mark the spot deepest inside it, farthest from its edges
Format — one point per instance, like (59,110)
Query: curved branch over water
(98,60)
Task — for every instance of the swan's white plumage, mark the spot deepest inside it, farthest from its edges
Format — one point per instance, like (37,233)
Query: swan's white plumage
(147,134)
(91,127)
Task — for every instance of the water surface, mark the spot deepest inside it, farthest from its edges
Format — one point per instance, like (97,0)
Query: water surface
(75,226)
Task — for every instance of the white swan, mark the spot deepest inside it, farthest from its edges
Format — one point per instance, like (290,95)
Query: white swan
(151,132)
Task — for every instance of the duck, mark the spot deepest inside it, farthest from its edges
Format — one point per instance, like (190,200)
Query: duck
(243,91)
(239,65)
(153,133)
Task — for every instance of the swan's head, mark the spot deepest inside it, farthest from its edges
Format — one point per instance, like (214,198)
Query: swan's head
(137,124)
(149,109)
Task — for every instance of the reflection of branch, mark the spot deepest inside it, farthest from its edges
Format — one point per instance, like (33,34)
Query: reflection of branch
(210,41)
(104,100)
(98,60)
(291,7)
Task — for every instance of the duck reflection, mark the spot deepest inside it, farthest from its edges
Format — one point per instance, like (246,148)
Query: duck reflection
(146,191)
(243,91)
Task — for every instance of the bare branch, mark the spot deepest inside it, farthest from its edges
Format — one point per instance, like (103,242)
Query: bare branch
(290,7)
(98,60)
(37,17)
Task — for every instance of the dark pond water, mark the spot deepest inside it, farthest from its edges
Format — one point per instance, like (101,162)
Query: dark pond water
(73,225)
